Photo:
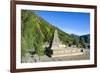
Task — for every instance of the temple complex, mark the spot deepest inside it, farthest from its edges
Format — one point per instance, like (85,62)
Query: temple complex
(59,49)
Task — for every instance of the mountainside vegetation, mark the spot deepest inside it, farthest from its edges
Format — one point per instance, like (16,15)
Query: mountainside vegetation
(36,32)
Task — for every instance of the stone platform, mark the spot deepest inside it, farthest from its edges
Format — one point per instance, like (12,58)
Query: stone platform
(66,52)
(59,49)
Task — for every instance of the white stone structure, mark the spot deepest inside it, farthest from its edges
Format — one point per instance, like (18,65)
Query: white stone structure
(59,49)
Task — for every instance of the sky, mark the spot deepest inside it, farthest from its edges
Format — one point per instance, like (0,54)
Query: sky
(70,22)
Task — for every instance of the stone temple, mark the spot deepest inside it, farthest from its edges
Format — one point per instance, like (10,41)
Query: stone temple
(59,49)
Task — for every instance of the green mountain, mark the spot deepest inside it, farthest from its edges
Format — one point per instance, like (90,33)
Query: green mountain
(36,32)
(86,38)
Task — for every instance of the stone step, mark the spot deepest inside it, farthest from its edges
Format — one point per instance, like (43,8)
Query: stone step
(68,54)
